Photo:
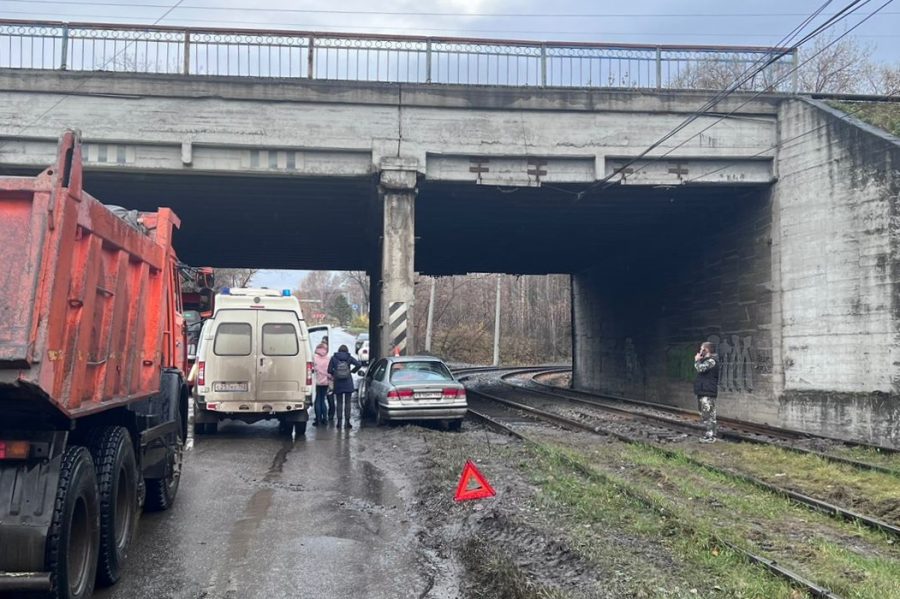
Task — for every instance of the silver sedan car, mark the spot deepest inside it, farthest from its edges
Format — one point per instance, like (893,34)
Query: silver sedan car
(412,388)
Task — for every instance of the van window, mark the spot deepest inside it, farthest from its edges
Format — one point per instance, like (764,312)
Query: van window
(279,339)
(232,339)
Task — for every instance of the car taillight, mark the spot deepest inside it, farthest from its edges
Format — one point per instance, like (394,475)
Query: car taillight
(454,393)
(309,373)
(14,450)
(201,373)
(400,394)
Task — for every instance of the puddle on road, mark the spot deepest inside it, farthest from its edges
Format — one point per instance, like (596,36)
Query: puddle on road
(245,529)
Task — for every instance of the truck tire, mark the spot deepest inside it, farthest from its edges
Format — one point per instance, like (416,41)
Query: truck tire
(161,491)
(117,482)
(301,428)
(73,539)
(199,428)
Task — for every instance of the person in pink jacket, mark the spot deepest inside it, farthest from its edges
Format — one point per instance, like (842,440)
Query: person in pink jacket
(320,361)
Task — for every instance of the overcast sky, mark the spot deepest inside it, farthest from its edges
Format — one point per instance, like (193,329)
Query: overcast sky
(763,22)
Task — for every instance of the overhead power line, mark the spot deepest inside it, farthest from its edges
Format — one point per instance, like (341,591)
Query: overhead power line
(844,13)
(411,13)
(784,142)
(774,84)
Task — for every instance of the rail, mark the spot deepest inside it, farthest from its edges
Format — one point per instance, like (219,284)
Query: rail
(72,46)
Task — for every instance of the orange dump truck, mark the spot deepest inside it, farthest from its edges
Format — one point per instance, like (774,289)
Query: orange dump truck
(93,399)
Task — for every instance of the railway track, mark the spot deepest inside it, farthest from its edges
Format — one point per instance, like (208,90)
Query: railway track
(655,435)
(509,425)
(685,421)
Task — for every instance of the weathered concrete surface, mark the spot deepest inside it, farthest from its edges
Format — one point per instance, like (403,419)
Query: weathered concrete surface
(838,310)
(639,317)
(199,124)
(398,193)
(258,516)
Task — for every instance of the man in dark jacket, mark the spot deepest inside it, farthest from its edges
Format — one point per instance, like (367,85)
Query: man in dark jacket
(341,368)
(706,388)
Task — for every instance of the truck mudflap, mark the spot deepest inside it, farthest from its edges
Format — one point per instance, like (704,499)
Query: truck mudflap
(27,496)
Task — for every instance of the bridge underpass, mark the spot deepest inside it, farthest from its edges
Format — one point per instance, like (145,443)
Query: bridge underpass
(787,258)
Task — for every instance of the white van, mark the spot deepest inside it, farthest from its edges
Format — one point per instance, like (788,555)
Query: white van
(254,361)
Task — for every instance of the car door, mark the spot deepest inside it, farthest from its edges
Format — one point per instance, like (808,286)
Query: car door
(376,390)
(280,365)
(316,334)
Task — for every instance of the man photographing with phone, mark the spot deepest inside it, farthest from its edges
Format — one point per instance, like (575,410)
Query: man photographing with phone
(706,388)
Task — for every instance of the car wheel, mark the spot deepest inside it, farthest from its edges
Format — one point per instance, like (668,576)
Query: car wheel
(455,425)
(380,417)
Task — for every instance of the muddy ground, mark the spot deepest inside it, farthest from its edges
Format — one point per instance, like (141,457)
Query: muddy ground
(370,513)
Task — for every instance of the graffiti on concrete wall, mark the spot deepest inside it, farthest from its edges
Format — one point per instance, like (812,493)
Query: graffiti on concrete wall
(736,356)
(738,360)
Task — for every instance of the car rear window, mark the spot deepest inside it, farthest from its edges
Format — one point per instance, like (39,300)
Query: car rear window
(425,371)
(232,339)
(280,339)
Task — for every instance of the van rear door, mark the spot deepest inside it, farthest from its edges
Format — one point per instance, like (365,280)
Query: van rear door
(281,364)
(233,377)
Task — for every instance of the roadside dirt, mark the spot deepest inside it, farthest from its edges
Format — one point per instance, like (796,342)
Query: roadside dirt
(519,545)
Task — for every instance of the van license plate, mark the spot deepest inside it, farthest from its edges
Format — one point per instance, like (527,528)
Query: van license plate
(230,387)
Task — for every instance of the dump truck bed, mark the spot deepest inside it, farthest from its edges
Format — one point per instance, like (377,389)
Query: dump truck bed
(88,301)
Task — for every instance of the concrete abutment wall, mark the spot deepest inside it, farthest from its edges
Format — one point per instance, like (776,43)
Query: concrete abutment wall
(799,285)
(838,203)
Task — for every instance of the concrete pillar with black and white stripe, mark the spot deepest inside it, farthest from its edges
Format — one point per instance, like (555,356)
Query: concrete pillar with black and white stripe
(398,190)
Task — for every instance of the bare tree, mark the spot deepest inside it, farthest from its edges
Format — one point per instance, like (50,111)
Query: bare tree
(838,66)
(234,277)
(359,281)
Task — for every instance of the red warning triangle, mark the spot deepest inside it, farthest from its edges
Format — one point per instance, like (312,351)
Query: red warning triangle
(481,489)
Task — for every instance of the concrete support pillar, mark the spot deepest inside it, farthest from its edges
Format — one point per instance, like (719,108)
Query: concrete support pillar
(397,187)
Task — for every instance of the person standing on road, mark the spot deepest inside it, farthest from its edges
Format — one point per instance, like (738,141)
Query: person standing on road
(706,388)
(341,369)
(320,361)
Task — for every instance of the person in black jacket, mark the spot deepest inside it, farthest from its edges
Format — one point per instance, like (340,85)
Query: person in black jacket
(341,368)
(706,388)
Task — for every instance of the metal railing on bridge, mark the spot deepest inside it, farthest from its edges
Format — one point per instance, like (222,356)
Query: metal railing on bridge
(407,59)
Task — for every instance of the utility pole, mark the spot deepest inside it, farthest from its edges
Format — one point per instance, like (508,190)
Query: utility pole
(497,325)
(430,320)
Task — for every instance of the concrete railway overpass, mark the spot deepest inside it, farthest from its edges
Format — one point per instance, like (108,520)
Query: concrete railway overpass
(773,226)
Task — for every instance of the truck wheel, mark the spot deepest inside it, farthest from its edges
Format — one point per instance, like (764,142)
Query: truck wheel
(199,428)
(161,491)
(211,428)
(301,428)
(73,540)
(116,469)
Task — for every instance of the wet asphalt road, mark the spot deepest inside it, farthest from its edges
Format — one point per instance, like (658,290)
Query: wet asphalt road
(258,515)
